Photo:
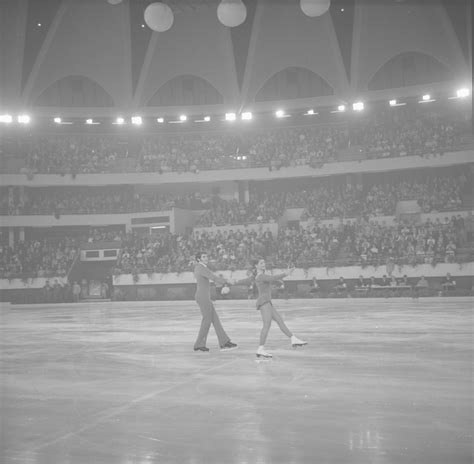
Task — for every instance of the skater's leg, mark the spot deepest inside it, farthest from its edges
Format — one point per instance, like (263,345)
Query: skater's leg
(279,320)
(206,311)
(220,332)
(266,312)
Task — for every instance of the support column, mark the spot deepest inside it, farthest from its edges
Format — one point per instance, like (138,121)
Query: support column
(242,191)
(11,237)
(22,234)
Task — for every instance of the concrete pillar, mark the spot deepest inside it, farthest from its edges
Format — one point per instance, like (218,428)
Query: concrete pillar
(11,236)
(242,191)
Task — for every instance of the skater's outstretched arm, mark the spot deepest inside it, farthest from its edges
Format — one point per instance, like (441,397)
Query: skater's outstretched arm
(205,272)
(271,278)
(246,281)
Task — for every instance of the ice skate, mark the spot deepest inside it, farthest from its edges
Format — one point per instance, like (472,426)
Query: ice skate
(296,342)
(263,355)
(229,346)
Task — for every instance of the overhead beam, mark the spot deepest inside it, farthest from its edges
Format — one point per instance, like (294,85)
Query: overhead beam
(26,95)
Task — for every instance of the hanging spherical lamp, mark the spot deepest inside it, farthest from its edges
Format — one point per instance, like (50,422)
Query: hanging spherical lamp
(231,13)
(114,2)
(314,8)
(159,17)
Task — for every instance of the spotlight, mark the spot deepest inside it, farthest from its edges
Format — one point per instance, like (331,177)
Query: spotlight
(58,120)
(207,118)
(461,93)
(310,113)
(183,118)
(120,121)
(246,116)
(24,119)
(341,108)
(280,114)
(6,118)
(393,102)
(358,106)
(230,117)
(426,99)
(137,120)
(90,121)
(160,120)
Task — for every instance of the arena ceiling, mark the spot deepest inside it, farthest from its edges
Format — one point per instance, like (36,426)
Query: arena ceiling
(83,54)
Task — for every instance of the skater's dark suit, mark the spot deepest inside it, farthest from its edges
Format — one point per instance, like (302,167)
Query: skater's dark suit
(203,298)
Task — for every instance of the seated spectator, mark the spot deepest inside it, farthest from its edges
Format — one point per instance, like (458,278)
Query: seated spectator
(448,283)
(341,285)
(422,283)
(360,283)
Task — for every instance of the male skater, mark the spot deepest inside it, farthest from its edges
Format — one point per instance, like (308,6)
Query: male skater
(203,299)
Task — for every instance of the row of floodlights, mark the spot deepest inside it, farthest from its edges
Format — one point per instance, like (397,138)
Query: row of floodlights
(245,116)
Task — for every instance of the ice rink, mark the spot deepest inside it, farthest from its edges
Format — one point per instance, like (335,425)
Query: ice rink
(380,382)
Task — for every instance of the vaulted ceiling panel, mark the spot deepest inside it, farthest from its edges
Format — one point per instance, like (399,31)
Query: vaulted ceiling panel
(197,44)
(386,28)
(39,19)
(91,39)
(283,37)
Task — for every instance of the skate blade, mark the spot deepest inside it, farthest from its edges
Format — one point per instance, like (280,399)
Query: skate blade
(298,345)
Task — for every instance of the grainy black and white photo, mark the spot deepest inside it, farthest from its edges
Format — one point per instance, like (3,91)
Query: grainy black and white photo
(236,232)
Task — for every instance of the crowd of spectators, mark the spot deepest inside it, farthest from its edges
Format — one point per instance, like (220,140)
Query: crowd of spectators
(358,243)
(321,199)
(37,258)
(406,131)
(105,200)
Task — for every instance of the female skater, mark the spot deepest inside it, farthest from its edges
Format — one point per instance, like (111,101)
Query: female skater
(268,312)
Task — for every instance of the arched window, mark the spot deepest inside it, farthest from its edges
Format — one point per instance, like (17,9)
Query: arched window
(75,91)
(409,68)
(186,90)
(291,83)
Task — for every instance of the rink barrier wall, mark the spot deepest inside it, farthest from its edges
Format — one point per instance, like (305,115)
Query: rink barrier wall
(182,286)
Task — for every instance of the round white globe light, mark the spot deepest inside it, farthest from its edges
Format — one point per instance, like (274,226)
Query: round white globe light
(159,17)
(314,8)
(114,2)
(225,291)
(231,13)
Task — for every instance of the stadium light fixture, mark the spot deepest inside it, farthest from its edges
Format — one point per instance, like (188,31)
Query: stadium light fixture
(183,118)
(24,119)
(58,120)
(91,122)
(204,119)
(160,120)
(310,112)
(279,113)
(6,118)
(230,116)
(396,103)
(119,121)
(358,106)
(137,120)
(462,93)
(246,116)
(426,99)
